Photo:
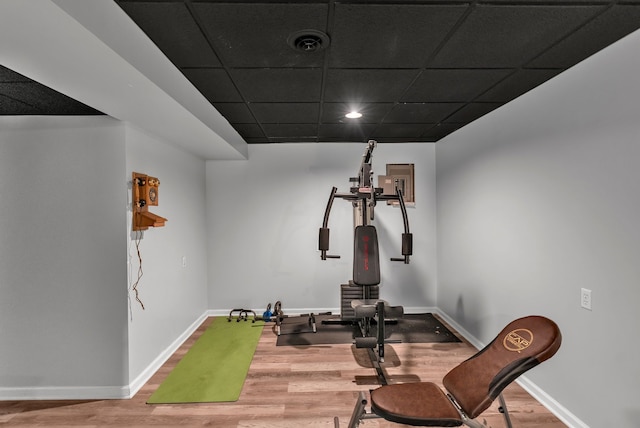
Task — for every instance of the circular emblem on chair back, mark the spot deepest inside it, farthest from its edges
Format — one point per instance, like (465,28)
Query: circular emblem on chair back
(518,340)
(512,352)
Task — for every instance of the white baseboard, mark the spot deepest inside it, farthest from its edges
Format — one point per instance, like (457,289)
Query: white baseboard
(146,374)
(100,392)
(64,393)
(552,405)
(534,390)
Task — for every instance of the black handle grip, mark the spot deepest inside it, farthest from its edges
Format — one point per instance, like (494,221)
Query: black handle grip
(323,239)
(407,244)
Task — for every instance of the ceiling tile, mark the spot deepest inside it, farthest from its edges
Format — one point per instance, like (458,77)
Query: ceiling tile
(471,112)
(255,34)
(517,84)
(345,132)
(404,131)
(286,112)
(44,99)
(172,28)
(421,112)
(275,131)
(213,83)
(496,36)
(7,75)
(357,86)
(453,85)
(612,25)
(249,130)
(296,139)
(235,112)
(9,106)
(279,84)
(367,36)
(546,2)
(441,130)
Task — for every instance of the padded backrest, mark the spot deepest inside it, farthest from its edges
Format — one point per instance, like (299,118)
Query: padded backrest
(366,260)
(520,346)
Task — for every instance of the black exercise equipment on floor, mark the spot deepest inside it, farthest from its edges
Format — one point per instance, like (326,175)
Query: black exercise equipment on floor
(411,328)
(471,386)
(277,316)
(360,301)
(280,316)
(243,315)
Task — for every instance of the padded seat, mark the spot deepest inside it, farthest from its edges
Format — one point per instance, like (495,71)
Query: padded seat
(421,404)
(472,385)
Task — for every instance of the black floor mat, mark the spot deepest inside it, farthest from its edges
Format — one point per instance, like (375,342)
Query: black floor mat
(411,328)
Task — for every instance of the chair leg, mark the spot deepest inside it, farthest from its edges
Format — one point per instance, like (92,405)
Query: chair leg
(358,411)
(505,412)
(472,423)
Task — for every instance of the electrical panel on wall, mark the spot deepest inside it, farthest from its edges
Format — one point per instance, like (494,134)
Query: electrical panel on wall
(399,176)
(145,194)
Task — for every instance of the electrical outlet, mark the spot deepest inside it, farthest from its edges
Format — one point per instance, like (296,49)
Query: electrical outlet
(184,261)
(585,298)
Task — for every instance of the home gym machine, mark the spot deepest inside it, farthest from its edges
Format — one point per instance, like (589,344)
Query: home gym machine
(360,303)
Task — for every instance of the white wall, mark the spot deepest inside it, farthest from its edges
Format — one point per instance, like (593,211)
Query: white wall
(174,297)
(67,326)
(539,199)
(63,318)
(263,219)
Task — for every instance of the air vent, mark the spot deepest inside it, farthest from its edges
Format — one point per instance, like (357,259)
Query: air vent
(308,41)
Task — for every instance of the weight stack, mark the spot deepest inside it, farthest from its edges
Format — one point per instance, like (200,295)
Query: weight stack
(349,292)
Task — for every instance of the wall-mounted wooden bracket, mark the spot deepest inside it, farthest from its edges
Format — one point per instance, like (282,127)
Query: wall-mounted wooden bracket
(144,191)
(145,219)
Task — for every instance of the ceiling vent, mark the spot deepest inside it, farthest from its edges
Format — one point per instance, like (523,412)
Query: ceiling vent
(308,41)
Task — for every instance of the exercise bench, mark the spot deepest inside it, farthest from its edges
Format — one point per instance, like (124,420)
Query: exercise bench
(471,387)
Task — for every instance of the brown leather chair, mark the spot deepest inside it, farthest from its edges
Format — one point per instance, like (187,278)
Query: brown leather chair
(471,386)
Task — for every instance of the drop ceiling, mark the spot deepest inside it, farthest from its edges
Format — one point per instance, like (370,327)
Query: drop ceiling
(288,71)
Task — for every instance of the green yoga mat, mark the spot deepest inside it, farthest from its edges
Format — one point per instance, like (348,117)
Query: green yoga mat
(215,367)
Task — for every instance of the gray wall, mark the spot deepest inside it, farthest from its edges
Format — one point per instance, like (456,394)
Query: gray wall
(67,326)
(175,297)
(63,315)
(540,199)
(263,219)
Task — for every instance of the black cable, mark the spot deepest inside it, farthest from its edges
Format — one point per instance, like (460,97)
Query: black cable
(140,272)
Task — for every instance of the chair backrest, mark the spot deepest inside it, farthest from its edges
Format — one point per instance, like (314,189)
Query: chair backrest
(520,346)
(366,260)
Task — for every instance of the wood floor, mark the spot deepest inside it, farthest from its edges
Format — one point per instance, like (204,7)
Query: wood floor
(286,387)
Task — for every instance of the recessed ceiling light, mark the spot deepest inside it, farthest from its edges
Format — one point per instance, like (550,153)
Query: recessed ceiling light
(353,115)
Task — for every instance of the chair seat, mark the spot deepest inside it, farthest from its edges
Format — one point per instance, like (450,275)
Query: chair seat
(418,404)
